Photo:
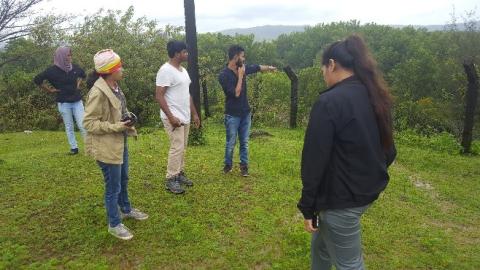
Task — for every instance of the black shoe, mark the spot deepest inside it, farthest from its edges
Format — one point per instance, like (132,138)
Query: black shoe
(227,169)
(73,151)
(173,185)
(244,170)
(182,178)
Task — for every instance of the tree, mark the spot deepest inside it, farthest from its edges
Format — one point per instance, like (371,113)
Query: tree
(140,44)
(15,19)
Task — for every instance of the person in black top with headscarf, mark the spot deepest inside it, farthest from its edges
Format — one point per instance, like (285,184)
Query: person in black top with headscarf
(64,79)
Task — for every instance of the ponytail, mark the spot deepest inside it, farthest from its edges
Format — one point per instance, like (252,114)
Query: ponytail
(93,77)
(352,53)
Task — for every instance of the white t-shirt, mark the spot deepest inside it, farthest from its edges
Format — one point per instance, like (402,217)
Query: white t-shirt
(177,94)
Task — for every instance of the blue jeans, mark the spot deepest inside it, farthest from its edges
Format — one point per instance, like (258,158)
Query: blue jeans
(338,240)
(68,112)
(237,125)
(116,188)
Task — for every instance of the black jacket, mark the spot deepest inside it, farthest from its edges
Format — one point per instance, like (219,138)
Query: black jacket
(63,81)
(343,162)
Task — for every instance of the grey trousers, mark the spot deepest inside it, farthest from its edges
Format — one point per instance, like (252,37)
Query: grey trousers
(338,240)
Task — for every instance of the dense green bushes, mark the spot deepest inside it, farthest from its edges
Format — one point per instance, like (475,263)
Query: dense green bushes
(423,70)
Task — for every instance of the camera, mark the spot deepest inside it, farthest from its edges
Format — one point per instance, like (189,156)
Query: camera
(129,116)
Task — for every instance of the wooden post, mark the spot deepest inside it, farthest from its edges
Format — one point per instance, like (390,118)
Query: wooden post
(470,104)
(191,40)
(293,95)
(255,101)
(205,98)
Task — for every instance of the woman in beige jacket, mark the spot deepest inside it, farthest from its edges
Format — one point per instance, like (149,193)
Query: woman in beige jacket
(106,139)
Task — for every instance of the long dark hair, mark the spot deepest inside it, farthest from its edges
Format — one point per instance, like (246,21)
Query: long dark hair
(93,77)
(352,53)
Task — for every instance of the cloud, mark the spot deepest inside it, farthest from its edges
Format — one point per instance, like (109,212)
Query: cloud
(216,15)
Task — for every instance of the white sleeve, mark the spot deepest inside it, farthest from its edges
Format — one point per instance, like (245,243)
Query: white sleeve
(164,78)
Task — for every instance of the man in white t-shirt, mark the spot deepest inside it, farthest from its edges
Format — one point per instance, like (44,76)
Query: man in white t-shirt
(177,108)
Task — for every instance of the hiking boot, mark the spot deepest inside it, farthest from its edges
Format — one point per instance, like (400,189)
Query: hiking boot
(182,178)
(120,231)
(73,151)
(135,214)
(227,169)
(173,185)
(244,170)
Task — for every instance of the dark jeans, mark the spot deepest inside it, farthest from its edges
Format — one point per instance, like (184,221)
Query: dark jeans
(338,240)
(241,126)
(116,188)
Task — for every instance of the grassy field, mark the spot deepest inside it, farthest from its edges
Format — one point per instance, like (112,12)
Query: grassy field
(52,214)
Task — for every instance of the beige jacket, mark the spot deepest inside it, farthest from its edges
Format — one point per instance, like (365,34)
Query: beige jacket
(105,138)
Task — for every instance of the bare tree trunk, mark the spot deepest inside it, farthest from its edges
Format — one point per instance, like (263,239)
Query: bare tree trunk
(471,102)
(191,39)
(205,98)
(293,95)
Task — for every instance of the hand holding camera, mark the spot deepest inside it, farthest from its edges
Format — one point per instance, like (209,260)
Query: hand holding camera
(129,119)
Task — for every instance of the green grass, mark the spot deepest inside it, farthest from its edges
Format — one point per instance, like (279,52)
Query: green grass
(52,214)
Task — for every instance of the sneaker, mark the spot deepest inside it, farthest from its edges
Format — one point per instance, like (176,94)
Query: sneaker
(244,170)
(135,214)
(120,231)
(227,169)
(173,185)
(73,151)
(182,178)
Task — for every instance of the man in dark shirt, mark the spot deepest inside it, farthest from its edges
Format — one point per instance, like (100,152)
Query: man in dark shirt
(64,79)
(237,110)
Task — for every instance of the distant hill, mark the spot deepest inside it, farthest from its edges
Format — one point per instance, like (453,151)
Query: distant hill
(439,27)
(269,32)
(266,32)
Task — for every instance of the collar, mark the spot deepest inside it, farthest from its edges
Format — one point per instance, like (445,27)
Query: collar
(102,85)
(349,79)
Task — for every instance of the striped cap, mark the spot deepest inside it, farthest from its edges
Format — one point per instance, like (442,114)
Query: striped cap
(107,62)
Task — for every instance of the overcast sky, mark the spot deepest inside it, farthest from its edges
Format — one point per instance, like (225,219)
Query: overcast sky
(215,15)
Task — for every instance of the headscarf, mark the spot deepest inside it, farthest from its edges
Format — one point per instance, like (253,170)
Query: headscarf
(60,59)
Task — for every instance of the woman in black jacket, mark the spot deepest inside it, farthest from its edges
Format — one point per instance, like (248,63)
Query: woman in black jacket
(347,150)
